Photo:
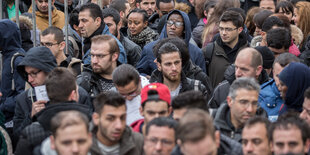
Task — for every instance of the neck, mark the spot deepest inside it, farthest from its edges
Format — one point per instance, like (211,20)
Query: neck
(60,57)
(108,73)
(104,140)
(233,43)
(172,85)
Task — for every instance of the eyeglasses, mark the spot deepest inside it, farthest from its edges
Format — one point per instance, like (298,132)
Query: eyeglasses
(164,142)
(176,24)
(133,93)
(33,74)
(48,44)
(99,56)
(227,29)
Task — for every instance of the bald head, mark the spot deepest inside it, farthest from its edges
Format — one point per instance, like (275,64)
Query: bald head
(248,63)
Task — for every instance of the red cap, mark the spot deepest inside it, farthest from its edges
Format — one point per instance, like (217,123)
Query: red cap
(163,93)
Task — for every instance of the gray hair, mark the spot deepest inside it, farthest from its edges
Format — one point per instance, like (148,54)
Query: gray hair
(243,83)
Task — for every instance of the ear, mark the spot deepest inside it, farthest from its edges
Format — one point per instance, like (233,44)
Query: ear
(240,29)
(229,101)
(115,56)
(53,147)
(145,24)
(141,111)
(259,70)
(122,14)
(73,96)
(98,21)
(76,27)
(95,118)
(138,5)
(158,65)
(217,138)
(62,45)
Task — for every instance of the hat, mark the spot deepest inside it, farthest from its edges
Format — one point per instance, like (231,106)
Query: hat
(267,55)
(162,90)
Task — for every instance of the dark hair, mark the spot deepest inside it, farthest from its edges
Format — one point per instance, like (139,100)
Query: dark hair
(118,5)
(270,22)
(285,20)
(140,11)
(285,58)
(256,120)
(279,38)
(110,98)
(240,11)
(163,1)
(124,74)
(307,93)
(208,5)
(190,99)
(285,6)
(74,17)
(232,16)
(57,32)
(288,121)
(152,93)
(110,12)
(162,122)
(60,83)
(167,48)
(260,17)
(94,9)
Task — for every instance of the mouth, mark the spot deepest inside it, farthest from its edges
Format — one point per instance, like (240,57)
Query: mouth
(171,33)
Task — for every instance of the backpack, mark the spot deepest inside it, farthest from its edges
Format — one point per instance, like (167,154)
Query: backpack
(17,54)
(208,53)
(76,49)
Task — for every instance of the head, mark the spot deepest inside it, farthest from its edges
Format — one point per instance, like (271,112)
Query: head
(160,136)
(109,117)
(147,5)
(111,17)
(268,5)
(289,135)
(270,22)
(137,21)
(169,62)
(70,133)
(268,57)
(127,81)
(248,63)
(175,25)
(155,102)
(259,19)
(278,40)
(249,20)
(90,19)
(286,8)
(53,38)
(123,7)
(230,26)
(104,54)
(305,114)
(163,7)
(208,8)
(242,100)
(74,20)
(255,137)
(195,132)
(42,5)
(301,17)
(188,100)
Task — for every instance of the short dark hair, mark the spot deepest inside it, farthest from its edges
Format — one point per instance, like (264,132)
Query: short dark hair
(167,48)
(140,11)
(285,6)
(232,16)
(124,74)
(57,32)
(240,11)
(118,5)
(110,12)
(162,122)
(270,22)
(60,83)
(279,38)
(94,9)
(190,99)
(256,120)
(307,93)
(163,1)
(260,17)
(74,17)
(110,98)
(286,58)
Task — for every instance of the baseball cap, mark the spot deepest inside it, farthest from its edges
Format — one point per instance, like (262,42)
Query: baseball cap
(162,90)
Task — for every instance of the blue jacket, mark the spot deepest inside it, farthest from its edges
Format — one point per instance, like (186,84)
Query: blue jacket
(10,43)
(122,58)
(270,100)
(146,64)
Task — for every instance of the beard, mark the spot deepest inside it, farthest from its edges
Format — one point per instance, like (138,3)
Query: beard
(172,78)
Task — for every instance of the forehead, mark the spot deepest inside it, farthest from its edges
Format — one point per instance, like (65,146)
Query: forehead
(109,19)
(244,58)
(136,16)
(48,37)
(84,14)
(246,94)
(156,105)
(170,57)
(161,132)
(148,1)
(292,134)
(30,69)
(257,130)
(176,16)
(109,110)
(226,24)
(100,47)
(163,5)
(72,132)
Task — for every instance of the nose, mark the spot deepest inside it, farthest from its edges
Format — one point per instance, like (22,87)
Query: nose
(238,72)
(75,148)
(30,79)
(158,146)
(80,25)
(118,124)
(249,147)
(174,67)
(94,59)
(250,108)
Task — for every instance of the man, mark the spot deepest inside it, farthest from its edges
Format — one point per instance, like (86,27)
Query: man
(155,102)
(289,135)
(97,77)
(111,135)
(123,7)
(255,137)
(60,5)
(63,95)
(129,83)
(268,5)
(169,72)
(53,38)
(58,17)
(163,7)
(305,114)
(70,133)
(91,24)
(278,40)
(242,104)
(112,18)
(177,25)
(160,136)
(147,5)
(222,52)
(8,8)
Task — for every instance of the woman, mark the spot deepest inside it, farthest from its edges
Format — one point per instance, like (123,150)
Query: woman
(294,80)
(138,30)
(286,8)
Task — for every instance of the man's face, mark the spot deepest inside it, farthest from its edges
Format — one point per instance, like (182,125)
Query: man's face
(130,91)
(165,8)
(199,148)
(277,69)
(50,42)
(288,141)
(159,141)
(175,30)
(154,109)
(305,114)
(111,124)
(229,32)
(101,58)
(178,113)
(148,6)
(255,140)
(71,140)
(243,66)
(36,77)
(43,5)
(267,5)
(136,23)
(112,25)
(243,107)
(171,66)
(87,24)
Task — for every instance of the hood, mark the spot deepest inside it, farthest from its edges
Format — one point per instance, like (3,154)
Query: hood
(10,37)
(187,26)
(24,21)
(37,57)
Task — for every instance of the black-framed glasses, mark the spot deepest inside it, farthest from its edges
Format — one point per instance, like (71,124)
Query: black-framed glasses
(227,29)
(48,44)
(33,74)
(175,23)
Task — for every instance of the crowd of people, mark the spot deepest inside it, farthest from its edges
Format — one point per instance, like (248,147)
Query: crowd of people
(155,77)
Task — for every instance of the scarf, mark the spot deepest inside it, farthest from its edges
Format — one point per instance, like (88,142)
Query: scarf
(144,37)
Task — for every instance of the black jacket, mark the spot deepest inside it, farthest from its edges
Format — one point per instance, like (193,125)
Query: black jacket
(153,22)
(133,50)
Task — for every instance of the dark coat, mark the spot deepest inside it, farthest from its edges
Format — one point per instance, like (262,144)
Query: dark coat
(133,50)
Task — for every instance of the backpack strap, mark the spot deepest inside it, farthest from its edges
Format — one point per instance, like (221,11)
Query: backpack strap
(17,54)
(208,52)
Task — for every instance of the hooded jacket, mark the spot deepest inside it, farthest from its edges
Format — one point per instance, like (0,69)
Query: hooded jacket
(12,84)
